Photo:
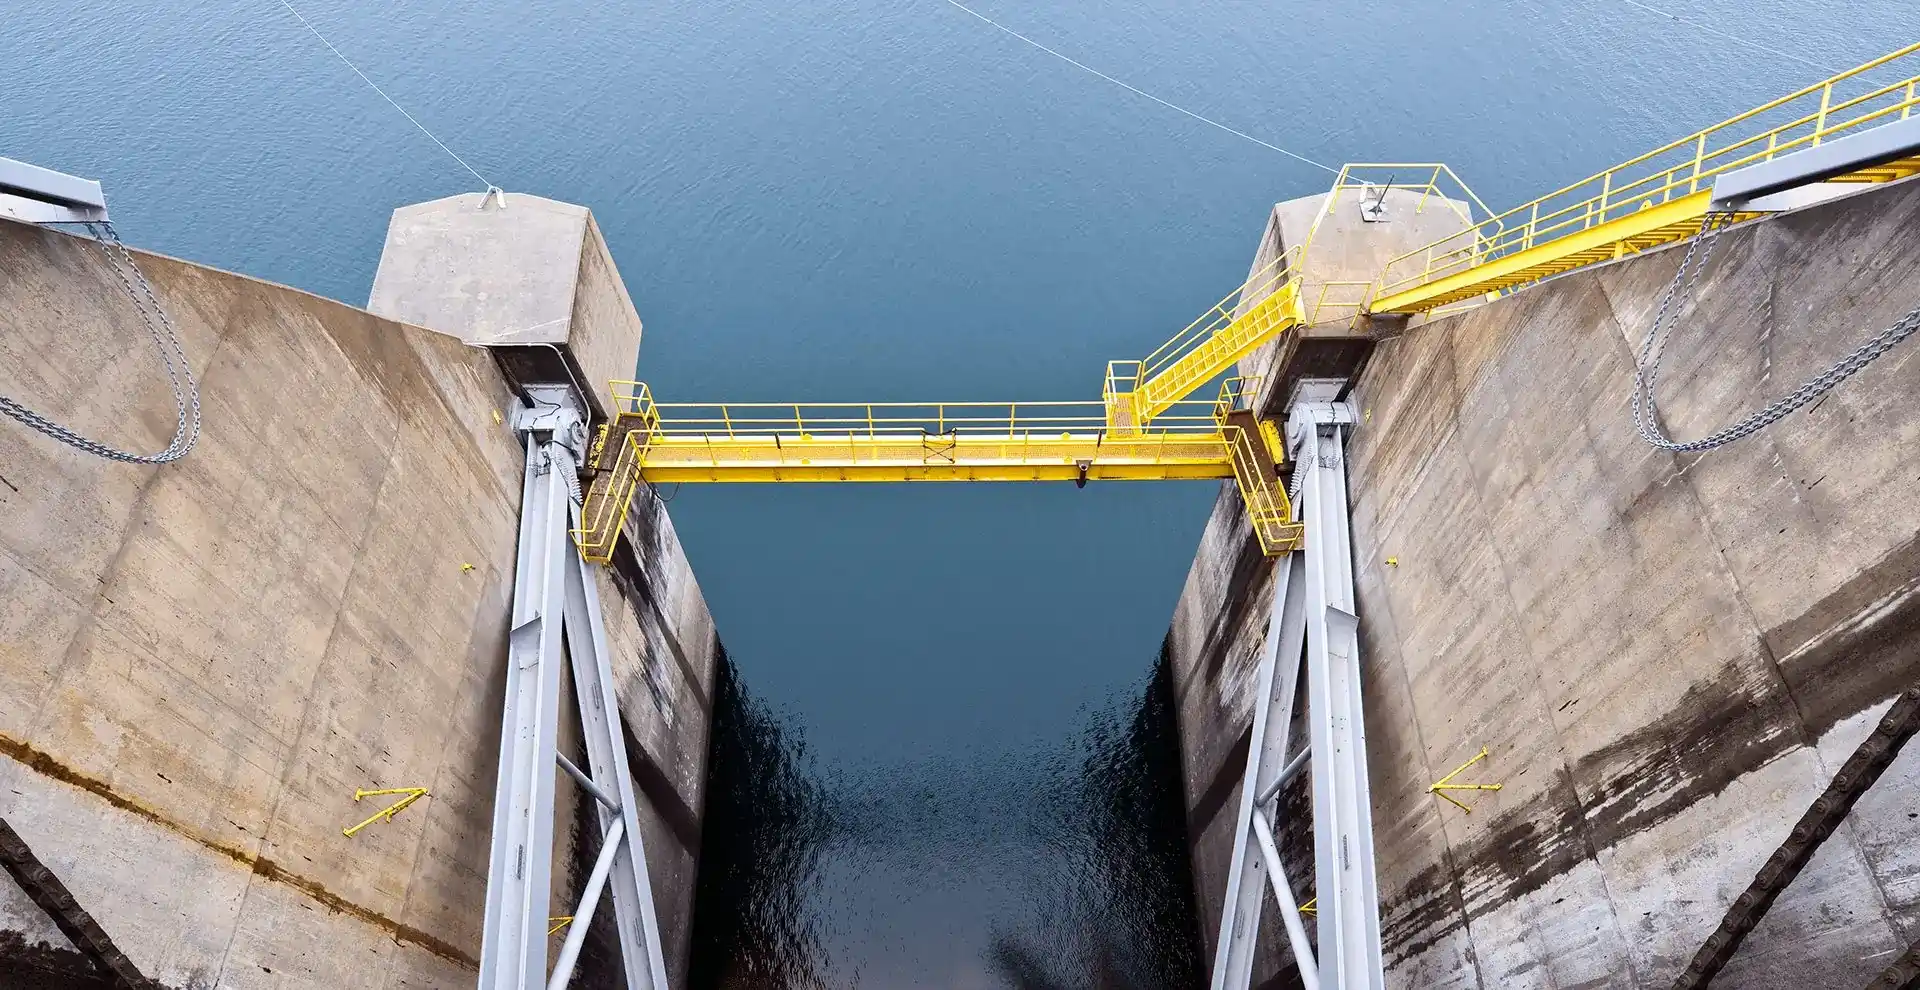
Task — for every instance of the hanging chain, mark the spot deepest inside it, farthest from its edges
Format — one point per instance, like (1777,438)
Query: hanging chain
(173,357)
(1646,411)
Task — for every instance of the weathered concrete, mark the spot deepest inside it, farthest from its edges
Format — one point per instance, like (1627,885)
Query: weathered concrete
(200,662)
(1341,253)
(531,272)
(1666,656)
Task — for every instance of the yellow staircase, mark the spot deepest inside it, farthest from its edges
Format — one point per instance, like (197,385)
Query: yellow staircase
(1258,461)
(1264,307)
(615,459)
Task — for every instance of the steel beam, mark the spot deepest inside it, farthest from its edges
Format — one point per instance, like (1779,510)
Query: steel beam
(1344,879)
(556,607)
(1277,682)
(1742,188)
(610,850)
(42,195)
(633,907)
(1289,907)
(513,951)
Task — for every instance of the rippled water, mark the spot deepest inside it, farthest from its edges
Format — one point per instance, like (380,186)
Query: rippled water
(884,199)
(1075,875)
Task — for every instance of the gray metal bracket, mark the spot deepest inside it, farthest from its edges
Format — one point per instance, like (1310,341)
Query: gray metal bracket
(554,592)
(42,195)
(1765,186)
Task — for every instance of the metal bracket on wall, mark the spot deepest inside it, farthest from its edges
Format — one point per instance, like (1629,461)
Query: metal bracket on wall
(1443,785)
(385,814)
(554,589)
(1313,610)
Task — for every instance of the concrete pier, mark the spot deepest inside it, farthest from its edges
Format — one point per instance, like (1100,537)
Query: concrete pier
(201,662)
(1667,657)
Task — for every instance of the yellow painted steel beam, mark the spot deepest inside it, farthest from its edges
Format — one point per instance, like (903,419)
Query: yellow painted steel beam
(1636,231)
(836,472)
(668,458)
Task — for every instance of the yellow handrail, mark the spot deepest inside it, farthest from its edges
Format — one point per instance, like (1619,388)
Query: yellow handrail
(1654,178)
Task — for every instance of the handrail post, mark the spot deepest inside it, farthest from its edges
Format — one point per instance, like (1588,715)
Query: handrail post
(1907,107)
(1820,122)
(1699,157)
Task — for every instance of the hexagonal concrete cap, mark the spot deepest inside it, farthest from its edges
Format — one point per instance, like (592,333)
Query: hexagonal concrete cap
(510,270)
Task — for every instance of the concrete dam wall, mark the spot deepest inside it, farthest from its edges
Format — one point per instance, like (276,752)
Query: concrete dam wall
(201,662)
(1666,656)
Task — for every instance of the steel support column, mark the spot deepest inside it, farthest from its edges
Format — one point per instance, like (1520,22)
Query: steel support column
(554,593)
(1276,685)
(1313,607)
(1344,881)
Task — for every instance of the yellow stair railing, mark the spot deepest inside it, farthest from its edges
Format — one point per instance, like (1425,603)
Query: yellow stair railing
(1263,307)
(1258,457)
(616,458)
(1654,199)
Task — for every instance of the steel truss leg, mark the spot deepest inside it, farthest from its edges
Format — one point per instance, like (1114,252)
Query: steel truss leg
(1276,685)
(1313,608)
(554,591)
(1344,882)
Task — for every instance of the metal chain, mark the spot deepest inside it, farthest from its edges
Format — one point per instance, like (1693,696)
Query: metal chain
(173,357)
(1646,410)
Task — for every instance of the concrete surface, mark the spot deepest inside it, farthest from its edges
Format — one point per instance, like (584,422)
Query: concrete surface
(535,271)
(200,662)
(1341,254)
(1667,656)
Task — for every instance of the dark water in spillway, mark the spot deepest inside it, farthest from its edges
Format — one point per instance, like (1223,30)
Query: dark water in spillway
(939,757)
(1086,835)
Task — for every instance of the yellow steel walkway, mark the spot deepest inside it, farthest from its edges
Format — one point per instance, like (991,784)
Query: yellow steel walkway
(1655,199)
(1145,427)
(666,443)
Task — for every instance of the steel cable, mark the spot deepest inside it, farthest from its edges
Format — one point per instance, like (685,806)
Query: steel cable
(996,25)
(173,358)
(1646,410)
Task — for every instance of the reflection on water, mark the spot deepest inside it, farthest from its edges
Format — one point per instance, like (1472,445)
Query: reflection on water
(766,825)
(1062,869)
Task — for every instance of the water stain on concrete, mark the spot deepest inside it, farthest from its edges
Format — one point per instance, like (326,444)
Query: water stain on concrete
(38,966)
(47,766)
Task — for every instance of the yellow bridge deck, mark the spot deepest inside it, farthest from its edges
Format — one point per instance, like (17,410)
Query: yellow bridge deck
(971,441)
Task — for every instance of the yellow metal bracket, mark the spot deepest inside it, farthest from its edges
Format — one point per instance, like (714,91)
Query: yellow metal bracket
(412,794)
(1445,784)
(1310,907)
(558,922)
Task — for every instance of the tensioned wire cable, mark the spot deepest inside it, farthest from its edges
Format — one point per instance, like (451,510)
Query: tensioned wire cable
(415,121)
(996,25)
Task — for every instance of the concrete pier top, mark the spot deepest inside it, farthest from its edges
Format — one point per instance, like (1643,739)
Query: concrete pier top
(1348,243)
(511,271)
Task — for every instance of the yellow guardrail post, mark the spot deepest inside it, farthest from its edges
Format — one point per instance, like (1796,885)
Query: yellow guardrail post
(1820,122)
